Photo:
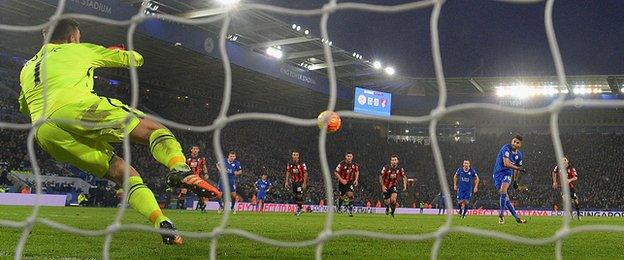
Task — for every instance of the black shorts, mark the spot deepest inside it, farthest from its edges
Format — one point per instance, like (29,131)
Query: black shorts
(297,188)
(344,188)
(573,194)
(389,191)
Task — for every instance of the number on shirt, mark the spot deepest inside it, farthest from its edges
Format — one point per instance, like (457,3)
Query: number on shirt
(37,73)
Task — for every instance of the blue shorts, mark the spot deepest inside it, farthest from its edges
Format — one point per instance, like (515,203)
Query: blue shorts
(232,186)
(261,196)
(463,195)
(500,179)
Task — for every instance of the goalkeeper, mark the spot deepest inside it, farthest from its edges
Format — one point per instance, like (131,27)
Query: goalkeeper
(508,166)
(69,67)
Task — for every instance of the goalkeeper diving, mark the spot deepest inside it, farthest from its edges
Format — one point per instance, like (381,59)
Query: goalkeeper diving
(97,122)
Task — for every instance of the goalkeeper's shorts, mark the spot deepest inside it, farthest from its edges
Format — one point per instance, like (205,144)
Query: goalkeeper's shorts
(88,147)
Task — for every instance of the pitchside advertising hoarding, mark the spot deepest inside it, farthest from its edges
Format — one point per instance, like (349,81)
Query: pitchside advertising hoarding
(372,102)
(276,207)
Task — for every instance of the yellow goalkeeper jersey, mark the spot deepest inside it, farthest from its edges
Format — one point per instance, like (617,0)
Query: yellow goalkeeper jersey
(69,75)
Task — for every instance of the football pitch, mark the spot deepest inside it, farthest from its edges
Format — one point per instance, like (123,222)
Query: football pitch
(48,243)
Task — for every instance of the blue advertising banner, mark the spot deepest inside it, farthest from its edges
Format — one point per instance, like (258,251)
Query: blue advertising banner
(372,102)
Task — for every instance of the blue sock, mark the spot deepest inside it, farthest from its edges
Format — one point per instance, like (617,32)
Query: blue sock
(460,210)
(503,202)
(465,210)
(232,205)
(511,209)
(220,204)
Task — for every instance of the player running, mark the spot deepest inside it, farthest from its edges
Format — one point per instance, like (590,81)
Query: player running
(297,173)
(69,70)
(390,175)
(572,177)
(465,182)
(347,173)
(233,169)
(263,185)
(506,170)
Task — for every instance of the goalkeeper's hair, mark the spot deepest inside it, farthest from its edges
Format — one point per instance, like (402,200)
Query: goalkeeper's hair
(62,31)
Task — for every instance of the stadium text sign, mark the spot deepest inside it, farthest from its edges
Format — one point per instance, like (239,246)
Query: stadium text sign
(372,102)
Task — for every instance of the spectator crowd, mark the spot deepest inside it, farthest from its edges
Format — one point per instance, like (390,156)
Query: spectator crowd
(265,147)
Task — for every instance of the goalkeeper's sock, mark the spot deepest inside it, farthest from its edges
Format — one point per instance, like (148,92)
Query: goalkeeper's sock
(503,203)
(351,205)
(339,204)
(141,198)
(511,209)
(166,149)
(232,205)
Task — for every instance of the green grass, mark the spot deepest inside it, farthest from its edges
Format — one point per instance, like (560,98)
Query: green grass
(45,242)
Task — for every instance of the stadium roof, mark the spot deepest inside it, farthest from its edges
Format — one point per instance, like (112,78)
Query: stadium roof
(259,30)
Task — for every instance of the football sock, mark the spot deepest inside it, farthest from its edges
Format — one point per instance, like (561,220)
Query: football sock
(503,203)
(141,198)
(167,150)
(511,209)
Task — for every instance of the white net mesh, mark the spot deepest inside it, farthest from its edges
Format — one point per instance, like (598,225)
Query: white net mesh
(224,15)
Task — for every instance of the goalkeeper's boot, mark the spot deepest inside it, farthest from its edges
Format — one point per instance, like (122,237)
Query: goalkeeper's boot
(521,221)
(188,180)
(173,238)
(501,219)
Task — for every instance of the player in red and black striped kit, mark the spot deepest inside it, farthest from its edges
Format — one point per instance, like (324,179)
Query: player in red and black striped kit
(347,173)
(572,177)
(195,162)
(197,165)
(389,178)
(297,172)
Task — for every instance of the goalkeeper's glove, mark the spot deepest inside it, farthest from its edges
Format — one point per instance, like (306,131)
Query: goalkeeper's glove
(514,184)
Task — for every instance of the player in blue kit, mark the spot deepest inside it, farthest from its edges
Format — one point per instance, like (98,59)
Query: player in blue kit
(465,182)
(263,185)
(233,169)
(506,170)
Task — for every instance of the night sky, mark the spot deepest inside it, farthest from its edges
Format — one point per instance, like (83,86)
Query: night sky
(481,38)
